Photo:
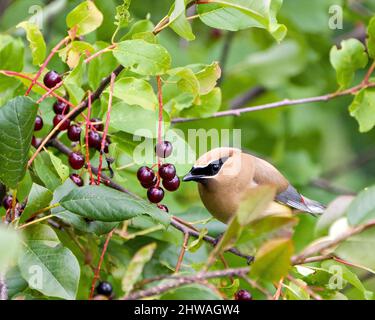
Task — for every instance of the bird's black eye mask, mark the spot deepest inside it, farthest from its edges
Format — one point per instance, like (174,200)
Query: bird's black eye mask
(212,169)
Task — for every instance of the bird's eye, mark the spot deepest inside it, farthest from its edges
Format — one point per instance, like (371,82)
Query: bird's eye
(215,167)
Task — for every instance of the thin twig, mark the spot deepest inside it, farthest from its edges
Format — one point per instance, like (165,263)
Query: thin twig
(97,271)
(182,252)
(185,280)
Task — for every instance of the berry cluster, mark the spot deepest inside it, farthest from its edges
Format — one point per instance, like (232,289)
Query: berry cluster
(166,173)
(61,109)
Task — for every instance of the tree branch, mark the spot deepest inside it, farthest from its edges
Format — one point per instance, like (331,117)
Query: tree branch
(178,281)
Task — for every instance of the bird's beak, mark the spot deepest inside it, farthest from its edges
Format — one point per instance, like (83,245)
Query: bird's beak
(191,177)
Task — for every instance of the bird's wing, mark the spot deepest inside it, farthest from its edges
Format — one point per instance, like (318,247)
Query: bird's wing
(292,198)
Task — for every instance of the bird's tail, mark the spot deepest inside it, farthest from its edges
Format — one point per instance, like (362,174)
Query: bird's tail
(314,207)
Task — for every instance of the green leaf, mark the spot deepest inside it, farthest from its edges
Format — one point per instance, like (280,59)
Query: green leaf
(209,104)
(141,26)
(61,169)
(15,282)
(78,222)
(47,266)
(135,91)
(39,198)
(109,205)
(17,119)
(178,22)
(236,15)
(347,60)
(122,16)
(359,249)
(371,38)
(46,172)
(136,265)
(142,57)
(207,75)
(9,247)
(123,115)
(85,17)
(72,53)
(332,267)
(73,82)
(272,260)
(37,43)
(362,208)
(363,109)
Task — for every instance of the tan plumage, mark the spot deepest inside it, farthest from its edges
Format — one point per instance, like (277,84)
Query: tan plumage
(224,176)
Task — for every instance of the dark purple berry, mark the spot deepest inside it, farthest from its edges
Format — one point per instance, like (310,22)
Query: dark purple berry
(76,179)
(76,160)
(155,194)
(104,288)
(95,140)
(61,107)
(243,295)
(51,79)
(163,207)
(7,202)
(172,185)
(74,133)
(106,146)
(164,149)
(99,126)
(57,119)
(38,123)
(35,142)
(167,171)
(148,185)
(145,175)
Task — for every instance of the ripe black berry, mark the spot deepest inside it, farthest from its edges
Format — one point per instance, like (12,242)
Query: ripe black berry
(95,140)
(163,207)
(104,288)
(164,149)
(172,185)
(76,160)
(155,194)
(7,202)
(243,295)
(167,171)
(74,133)
(76,179)
(38,123)
(99,126)
(149,184)
(57,119)
(61,107)
(145,175)
(51,79)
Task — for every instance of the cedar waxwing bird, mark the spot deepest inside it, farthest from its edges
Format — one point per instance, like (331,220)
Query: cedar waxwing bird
(224,176)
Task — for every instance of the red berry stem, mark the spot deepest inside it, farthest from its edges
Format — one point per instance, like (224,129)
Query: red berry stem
(105,132)
(160,121)
(44,65)
(49,92)
(92,180)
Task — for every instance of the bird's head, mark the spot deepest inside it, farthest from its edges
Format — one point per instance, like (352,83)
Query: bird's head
(216,165)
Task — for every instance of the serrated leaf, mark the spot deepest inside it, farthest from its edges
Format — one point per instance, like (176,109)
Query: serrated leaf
(178,22)
(347,60)
(17,120)
(85,17)
(136,265)
(272,260)
(142,57)
(236,15)
(109,205)
(61,169)
(135,91)
(46,172)
(362,208)
(39,198)
(36,39)
(53,271)
(363,109)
